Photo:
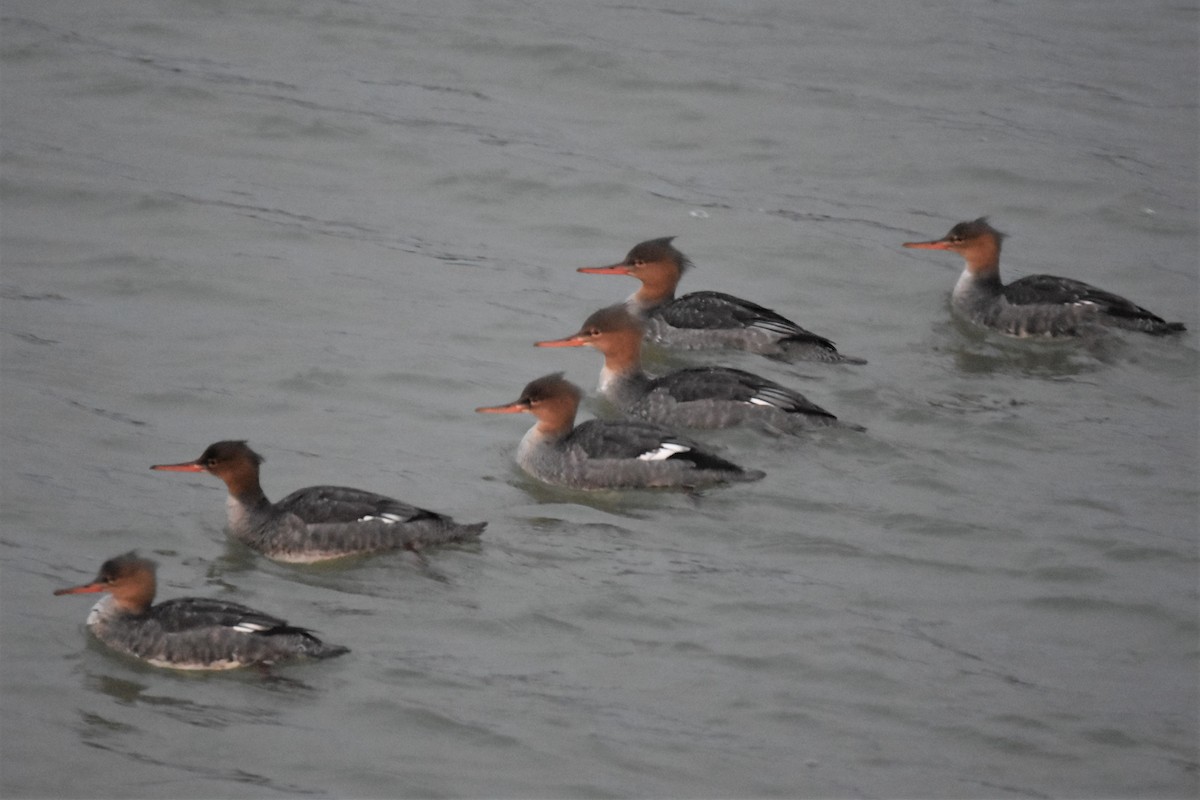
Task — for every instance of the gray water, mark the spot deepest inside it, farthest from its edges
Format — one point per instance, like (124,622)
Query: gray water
(336,228)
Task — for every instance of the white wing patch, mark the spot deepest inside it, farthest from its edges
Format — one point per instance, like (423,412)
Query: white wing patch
(250,627)
(664,451)
(758,401)
(208,665)
(390,519)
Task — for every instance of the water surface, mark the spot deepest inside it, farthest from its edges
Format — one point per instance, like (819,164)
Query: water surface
(335,229)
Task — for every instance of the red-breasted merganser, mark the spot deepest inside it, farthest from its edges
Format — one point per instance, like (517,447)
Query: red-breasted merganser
(1038,305)
(607,455)
(320,522)
(188,632)
(709,320)
(699,397)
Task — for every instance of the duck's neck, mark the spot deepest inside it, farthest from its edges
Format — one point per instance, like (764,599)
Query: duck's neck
(622,380)
(658,288)
(247,506)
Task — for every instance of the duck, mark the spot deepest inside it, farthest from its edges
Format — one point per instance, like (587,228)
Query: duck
(318,523)
(696,397)
(1035,306)
(608,454)
(188,633)
(709,320)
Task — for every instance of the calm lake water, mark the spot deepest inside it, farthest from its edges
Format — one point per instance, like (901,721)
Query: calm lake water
(336,228)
